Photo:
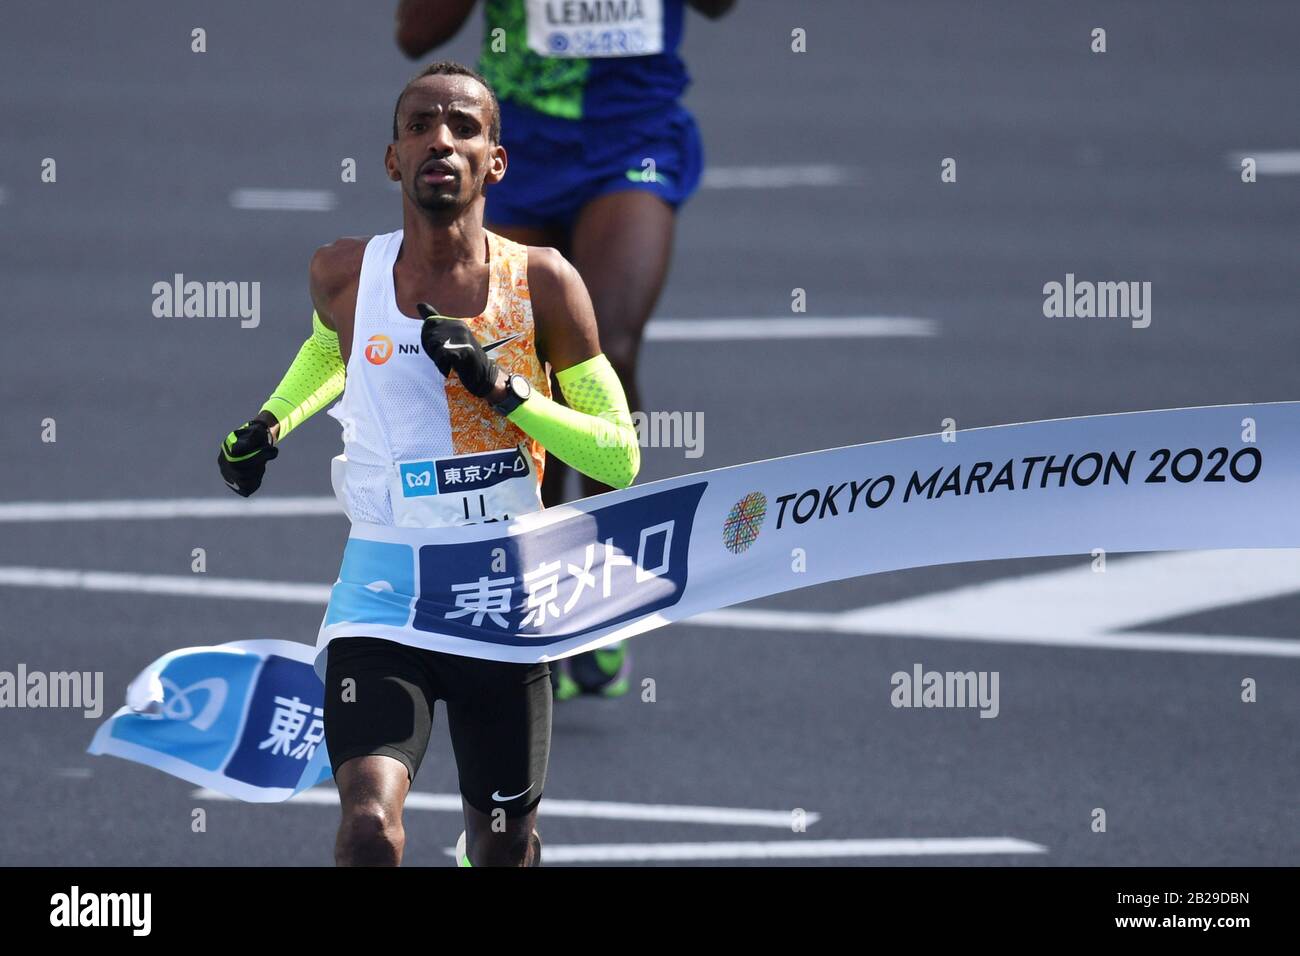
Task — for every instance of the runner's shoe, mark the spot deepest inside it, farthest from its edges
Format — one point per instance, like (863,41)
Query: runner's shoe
(462,859)
(562,683)
(605,671)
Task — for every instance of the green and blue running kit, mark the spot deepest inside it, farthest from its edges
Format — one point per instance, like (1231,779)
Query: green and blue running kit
(589,105)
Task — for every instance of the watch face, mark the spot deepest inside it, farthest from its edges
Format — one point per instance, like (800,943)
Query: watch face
(520,386)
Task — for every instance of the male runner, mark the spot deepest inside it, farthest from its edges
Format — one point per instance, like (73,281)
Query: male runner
(486,391)
(602,156)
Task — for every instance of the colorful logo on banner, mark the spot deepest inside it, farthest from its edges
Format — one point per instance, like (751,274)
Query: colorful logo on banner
(744,521)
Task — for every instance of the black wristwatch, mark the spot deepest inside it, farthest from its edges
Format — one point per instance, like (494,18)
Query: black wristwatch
(518,390)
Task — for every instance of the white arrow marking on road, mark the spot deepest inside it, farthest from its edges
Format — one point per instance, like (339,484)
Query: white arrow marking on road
(1080,605)
(587,809)
(783,849)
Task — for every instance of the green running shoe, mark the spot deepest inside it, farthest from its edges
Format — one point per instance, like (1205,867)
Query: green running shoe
(605,672)
(563,686)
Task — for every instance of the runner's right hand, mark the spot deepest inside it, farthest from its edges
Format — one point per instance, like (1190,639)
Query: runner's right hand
(244,455)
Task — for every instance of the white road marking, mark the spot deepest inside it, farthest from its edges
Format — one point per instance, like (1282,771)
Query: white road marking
(1082,608)
(284,200)
(849,623)
(1280,162)
(783,849)
(813,327)
(775,177)
(586,809)
(194,585)
(1071,608)
(145,508)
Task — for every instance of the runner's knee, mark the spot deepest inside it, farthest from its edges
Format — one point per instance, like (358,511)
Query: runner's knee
(621,349)
(370,834)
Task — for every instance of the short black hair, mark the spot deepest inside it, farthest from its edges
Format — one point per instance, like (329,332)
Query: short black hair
(451,68)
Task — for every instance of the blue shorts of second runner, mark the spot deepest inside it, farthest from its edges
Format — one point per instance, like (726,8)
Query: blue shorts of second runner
(556,166)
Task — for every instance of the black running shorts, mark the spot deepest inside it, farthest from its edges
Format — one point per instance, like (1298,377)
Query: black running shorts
(499,716)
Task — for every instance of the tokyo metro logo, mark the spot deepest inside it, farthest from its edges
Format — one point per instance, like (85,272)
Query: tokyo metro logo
(178,704)
(379,349)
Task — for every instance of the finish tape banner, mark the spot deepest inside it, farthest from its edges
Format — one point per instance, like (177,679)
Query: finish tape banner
(573,578)
(244,718)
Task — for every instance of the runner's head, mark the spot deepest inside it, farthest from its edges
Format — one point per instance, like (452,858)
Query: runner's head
(446,138)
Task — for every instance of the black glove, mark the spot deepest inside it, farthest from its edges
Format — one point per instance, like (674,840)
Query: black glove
(244,455)
(451,345)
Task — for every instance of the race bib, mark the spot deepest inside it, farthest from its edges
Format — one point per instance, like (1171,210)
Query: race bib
(595,28)
(464,489)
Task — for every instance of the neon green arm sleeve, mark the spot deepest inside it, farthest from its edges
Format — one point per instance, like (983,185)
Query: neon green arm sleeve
(315,379)
(595,433)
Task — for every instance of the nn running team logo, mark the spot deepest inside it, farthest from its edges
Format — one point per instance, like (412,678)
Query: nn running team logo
(744,521)
(379,349)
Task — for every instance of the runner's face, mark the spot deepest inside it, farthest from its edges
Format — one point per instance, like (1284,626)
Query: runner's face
(443,154)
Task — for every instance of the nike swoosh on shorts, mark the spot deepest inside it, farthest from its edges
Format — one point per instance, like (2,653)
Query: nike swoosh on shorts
(496,795)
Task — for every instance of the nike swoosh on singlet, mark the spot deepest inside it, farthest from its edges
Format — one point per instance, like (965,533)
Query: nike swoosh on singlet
(500,342)
(496,795)
(486,348)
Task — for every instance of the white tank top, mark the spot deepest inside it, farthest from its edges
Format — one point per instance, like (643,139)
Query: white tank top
(419,450)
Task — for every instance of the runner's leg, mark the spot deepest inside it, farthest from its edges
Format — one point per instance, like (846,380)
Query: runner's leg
(379,701)
(512,842)
(372,791)
(499,716)
(621,246)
